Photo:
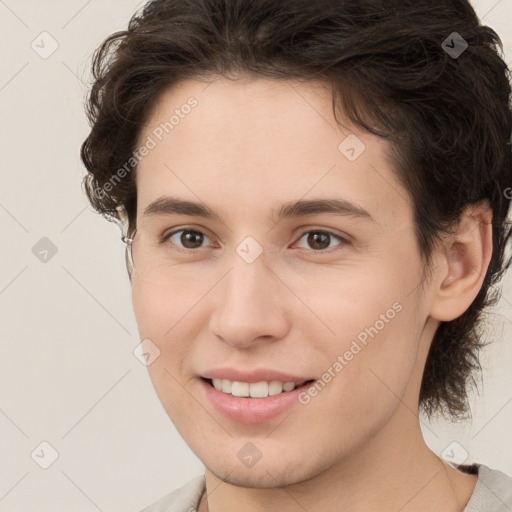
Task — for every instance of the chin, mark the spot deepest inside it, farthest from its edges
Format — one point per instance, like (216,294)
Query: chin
(276,468)
(259,478)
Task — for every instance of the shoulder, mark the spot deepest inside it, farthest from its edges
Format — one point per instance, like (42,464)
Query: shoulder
(184,499)
(493,491)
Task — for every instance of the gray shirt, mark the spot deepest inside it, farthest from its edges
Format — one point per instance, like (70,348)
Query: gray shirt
(492,493)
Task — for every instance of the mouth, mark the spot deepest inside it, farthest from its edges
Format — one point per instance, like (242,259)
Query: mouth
(252,402)
(262,389)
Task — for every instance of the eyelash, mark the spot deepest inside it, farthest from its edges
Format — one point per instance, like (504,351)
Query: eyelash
(343,241)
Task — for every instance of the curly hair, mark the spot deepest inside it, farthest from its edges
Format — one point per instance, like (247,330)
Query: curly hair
(446,116)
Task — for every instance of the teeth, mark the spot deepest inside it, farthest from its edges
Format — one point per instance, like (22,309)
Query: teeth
(255,389)
(275,387)
(288,386)
(258,389)
(240,388)
(226,385)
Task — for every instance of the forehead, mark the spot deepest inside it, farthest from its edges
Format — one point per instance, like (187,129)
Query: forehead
(257,142)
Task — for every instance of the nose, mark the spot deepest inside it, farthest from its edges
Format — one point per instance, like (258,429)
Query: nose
(251,306)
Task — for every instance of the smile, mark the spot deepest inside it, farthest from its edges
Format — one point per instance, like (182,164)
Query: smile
(252,402)
(261,389)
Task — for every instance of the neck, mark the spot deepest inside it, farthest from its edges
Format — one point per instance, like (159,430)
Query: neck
(394,470)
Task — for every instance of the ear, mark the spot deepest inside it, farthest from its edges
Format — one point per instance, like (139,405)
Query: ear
(462,263)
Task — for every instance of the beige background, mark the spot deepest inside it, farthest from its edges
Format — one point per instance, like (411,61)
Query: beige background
(68,375)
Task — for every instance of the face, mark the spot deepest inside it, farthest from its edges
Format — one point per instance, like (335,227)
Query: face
(299,264)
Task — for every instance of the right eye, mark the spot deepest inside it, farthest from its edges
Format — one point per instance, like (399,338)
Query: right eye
(190,239)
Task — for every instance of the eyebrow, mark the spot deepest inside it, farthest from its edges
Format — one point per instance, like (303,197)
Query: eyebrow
(171,205)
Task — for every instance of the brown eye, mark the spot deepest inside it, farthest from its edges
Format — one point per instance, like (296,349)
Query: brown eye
(319,240)
(189,238)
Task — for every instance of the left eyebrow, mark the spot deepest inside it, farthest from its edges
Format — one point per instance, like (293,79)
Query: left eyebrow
(316,206)
(170,205)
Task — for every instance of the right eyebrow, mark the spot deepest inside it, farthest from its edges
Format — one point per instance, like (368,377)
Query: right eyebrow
(173,205)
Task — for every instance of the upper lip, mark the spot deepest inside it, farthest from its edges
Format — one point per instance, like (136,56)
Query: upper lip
(252,376)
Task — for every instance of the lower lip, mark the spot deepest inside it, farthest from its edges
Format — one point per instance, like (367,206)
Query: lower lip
(251,410)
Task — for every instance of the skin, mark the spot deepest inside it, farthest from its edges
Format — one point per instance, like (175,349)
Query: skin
(248,147)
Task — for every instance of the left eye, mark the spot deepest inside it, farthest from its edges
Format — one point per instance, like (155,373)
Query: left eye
(319,240)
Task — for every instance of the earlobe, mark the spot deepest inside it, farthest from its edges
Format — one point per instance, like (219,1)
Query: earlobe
(465,257)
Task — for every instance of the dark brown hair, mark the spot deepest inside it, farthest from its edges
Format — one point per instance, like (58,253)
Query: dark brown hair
(447,117)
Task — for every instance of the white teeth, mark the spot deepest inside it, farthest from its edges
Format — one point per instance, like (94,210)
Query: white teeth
(275,387)
(226,385)
(288,386)
(258,389)
(240,388)
(261,389)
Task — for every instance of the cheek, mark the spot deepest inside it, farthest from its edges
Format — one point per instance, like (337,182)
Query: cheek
(358,309)
(161,311)
(156,312)
(371,378)
(379,362)
(374,349)
(169,319)
(149,302)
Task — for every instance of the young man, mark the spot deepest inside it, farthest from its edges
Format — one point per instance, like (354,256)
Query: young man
(314,198)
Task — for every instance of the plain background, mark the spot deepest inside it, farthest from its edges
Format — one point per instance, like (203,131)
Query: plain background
(68,375)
